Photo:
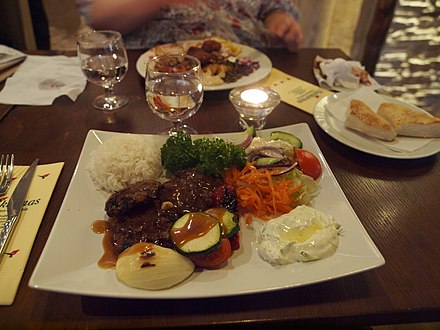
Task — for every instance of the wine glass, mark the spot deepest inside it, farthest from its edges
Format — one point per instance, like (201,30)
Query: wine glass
(174,89)
(104,62)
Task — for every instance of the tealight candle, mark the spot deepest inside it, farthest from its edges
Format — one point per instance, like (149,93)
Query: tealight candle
(254,104)
(256,96)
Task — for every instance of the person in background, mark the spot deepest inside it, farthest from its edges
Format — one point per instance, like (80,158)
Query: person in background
(146,23)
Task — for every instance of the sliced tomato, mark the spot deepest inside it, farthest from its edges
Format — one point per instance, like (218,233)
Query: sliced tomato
(160,104)
(308,163)
(214,259)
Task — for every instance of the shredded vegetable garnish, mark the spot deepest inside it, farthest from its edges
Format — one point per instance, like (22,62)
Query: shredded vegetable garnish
(260,193)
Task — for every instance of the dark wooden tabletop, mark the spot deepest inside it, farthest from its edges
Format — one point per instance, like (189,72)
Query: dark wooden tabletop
(397,202)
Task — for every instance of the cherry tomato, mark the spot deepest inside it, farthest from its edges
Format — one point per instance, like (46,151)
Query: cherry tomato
(225,196)
(235,241)
(214,259)
(308,163)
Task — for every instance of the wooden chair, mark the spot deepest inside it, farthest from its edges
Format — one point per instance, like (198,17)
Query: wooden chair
(24,25)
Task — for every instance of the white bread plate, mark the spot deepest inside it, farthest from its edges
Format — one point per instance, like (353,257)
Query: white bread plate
(330,114)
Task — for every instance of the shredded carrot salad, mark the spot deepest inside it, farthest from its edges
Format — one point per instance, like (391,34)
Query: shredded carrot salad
(261,194)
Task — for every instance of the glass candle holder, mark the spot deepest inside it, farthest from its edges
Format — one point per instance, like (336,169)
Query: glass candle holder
(254,104)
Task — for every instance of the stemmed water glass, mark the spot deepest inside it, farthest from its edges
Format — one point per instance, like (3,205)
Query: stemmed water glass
(104,62)
(174,89)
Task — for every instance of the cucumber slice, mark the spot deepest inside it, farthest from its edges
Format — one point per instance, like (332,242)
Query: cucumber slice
(196,233)
(267,161)
(228,220)
(292,139)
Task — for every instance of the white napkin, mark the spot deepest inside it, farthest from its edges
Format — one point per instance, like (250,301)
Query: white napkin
(339,110)
(10,56)
(341,75)
(41,79)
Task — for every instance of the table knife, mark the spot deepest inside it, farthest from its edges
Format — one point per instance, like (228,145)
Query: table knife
(15,205)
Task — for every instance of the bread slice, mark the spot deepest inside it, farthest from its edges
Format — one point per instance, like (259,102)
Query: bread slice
(364,120)
(409,122)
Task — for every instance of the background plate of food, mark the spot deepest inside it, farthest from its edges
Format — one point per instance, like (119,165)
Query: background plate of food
(69,261)
(226,65)
(341,75)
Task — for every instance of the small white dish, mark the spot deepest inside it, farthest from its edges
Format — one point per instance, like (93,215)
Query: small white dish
(322,81)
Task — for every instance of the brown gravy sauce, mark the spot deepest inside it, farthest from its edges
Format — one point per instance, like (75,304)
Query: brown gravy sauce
(197,225)
(218,212)
(109,257)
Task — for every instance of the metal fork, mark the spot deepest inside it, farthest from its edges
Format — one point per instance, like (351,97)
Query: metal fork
(6,169)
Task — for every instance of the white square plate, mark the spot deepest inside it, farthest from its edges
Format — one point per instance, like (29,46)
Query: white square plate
(69,260)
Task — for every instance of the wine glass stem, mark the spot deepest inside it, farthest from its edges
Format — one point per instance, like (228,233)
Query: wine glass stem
(176,125)
(109,91)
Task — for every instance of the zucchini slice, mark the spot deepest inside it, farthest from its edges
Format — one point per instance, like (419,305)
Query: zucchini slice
(228,221)
(196,233)
(292,139)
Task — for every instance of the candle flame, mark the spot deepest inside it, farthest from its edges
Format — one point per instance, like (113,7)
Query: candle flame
(255,96)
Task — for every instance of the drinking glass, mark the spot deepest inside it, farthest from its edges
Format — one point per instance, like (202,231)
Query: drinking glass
(104,62)
(174,89)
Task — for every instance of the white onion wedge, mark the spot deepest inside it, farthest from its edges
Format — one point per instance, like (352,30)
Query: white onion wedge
(152,267)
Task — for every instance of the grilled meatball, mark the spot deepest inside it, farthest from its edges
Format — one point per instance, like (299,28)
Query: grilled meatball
(144,225)
(134,196)
(203,56)
(188,191)
(145,212)
(211,46)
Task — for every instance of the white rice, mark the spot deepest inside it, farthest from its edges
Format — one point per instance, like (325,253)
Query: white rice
(123,160)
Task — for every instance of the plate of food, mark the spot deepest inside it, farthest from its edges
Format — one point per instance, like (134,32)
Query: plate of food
(327,240)
(381,135)
(225,64)
(341,75)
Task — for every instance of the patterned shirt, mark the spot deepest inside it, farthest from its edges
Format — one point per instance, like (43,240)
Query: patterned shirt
(240,21)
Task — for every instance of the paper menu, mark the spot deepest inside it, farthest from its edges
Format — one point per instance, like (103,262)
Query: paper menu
(294,91)
(13,263)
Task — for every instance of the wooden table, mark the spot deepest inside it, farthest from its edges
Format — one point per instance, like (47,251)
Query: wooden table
(396,200)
